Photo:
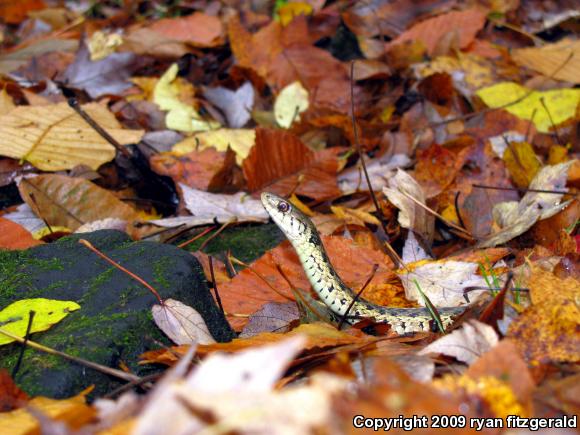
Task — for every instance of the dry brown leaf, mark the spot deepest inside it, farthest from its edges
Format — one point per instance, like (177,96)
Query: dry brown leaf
(273,317)
(55,137)
(560,60)
(281,163)
(181,323)
(72,202)
(466,344)
(548,330)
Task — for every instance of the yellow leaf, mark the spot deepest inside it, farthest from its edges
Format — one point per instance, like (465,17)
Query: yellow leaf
(6,103)
(560,60)
(560,103)
(522,163)
(240,140)
(301,206)
(74,412)
(180,116)
(291,101)
(14,318)
(289,11)
(55,137)
(102,44)
(557,154)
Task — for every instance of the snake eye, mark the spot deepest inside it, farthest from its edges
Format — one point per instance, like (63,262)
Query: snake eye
(283,207)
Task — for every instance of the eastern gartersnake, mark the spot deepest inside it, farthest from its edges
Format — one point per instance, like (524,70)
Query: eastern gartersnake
(302,234)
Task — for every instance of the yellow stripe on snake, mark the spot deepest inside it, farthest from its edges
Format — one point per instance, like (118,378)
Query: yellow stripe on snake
(303,236)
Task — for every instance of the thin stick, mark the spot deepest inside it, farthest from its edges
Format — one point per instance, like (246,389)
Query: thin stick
(88,244)
(74,104)
(103,369)
(434,213)
(520,189)
(543,102)
(457,211)
(357,296)
(23,347)
(194,238)
(214,235)
(390,251)
(214,282)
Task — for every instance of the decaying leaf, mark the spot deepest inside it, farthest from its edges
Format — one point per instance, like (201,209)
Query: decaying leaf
(72,202)
(272,317)
(560,60)
(411,215)
(181,323)
(55,137)
(548,330)
(236,105)
(514,218)
(466,344)
(15,317)
(208,206)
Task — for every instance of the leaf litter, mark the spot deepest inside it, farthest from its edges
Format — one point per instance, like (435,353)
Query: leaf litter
(467,122)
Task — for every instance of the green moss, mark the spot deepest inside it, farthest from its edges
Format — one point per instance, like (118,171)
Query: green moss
(160,268)
(246,242)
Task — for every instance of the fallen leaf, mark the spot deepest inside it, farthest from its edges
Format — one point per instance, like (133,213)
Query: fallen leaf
(14,236)
(55,137)
(287,12)
(281,163)
(25,217)
(273,317)
(380,170)
(515,218)
(290,102)
(411,215)
(180,116)
(6,103)
(144,41)
(73,411)
(443,281)
(239,140)
(559,104)
(466,344)
(560,60)
(13,13)
(11,397)
(236,105)
(102,77)
(15,317)
(548,329)
(197,29)
(181,323)
(102,45)
(465,23)
(209,206)
(207,170)
(522,163)
(21,56)
(72,202)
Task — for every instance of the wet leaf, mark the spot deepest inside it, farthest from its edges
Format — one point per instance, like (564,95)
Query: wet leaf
(15,317)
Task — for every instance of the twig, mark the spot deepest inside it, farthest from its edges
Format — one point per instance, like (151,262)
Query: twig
(88,244)
(390,251)
(214,282)
(23,347)
(103,369)
(194,238)
(357,296)
(214,235)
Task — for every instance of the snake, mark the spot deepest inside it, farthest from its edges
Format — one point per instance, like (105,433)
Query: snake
(336,295)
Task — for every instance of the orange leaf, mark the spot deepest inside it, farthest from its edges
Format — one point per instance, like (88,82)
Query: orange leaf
(11,397)
(246,292)
(430,32)
(279,162)
(197,29)
(207,170)
(13,12)
(14,236)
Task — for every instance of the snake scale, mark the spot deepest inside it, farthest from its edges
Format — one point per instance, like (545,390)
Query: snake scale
(303,236)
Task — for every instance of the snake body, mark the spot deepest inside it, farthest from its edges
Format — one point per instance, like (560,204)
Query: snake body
(337,296)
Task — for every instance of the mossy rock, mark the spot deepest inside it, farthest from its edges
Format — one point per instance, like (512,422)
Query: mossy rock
(114,325)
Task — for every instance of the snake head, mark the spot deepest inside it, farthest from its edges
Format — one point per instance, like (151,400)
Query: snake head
(289,219)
